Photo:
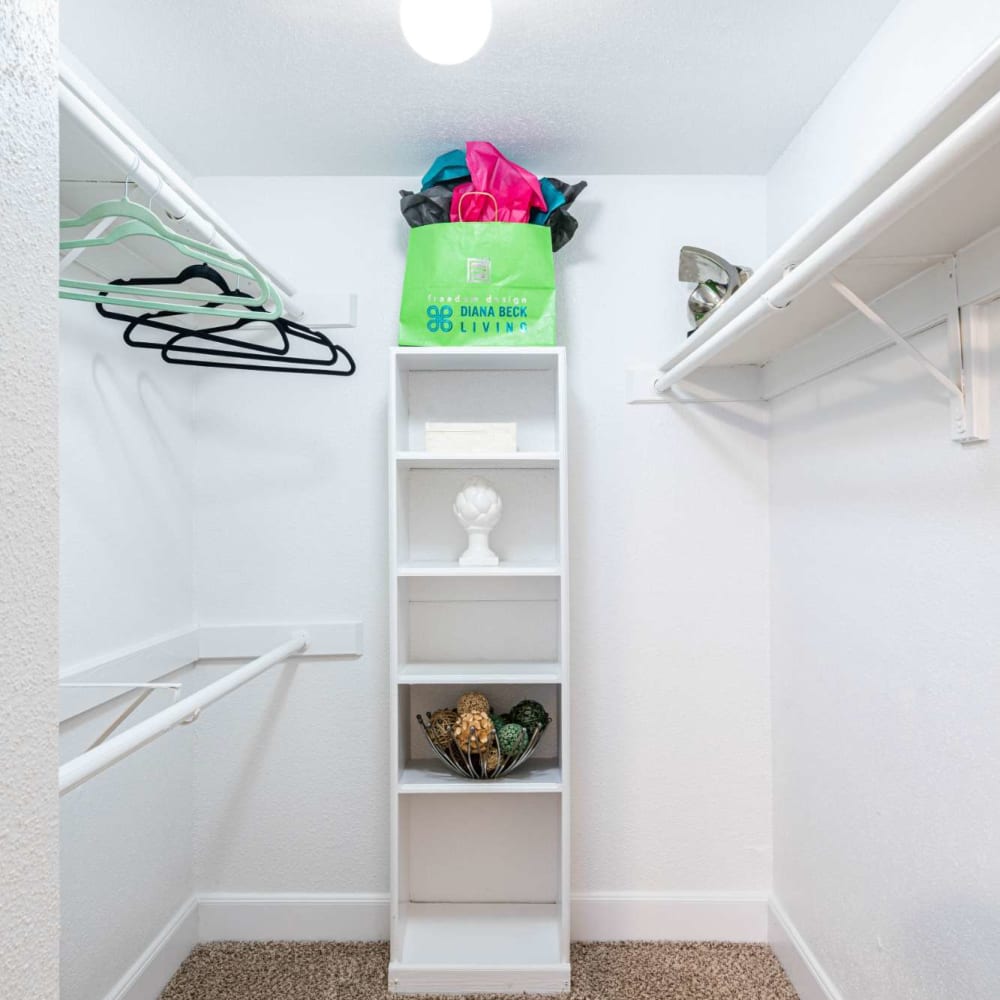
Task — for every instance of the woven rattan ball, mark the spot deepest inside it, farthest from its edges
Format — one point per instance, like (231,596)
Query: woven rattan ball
(473,701)
(441,726)
(472,732)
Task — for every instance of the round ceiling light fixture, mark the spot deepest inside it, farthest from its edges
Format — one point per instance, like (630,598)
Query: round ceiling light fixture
(446,32)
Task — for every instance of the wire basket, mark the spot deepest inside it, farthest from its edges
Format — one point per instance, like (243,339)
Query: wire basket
(487,764)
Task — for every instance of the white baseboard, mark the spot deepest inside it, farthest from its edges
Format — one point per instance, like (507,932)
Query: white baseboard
(801,966)
(676,916)
(293,916)
(308,916)
(701,916)
(154,967)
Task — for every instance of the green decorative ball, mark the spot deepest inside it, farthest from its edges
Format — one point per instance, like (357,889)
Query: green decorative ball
(499,720)
(529,714)
(512,738)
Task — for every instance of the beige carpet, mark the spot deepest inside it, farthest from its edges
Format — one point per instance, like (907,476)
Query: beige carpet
(622,971)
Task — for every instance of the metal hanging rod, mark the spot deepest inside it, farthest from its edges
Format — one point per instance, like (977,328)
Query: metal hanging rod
(75,772)
(141,163)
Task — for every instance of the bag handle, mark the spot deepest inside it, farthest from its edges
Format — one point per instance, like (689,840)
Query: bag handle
(485,194)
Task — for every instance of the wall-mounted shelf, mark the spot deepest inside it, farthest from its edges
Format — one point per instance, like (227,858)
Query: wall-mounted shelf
(99,150)
(460,921)
(846,285)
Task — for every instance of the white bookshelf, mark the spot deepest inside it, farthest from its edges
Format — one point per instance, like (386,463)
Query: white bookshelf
(480,869)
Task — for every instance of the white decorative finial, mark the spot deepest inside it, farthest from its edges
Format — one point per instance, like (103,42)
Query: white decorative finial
(478,508)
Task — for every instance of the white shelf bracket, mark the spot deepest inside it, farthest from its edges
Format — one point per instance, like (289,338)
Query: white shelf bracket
(966,428)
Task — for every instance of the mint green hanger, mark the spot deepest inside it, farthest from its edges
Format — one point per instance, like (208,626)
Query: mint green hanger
(144,222)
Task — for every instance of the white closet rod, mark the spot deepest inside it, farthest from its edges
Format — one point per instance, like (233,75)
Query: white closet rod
(137,159)
(973,137)
(75,772)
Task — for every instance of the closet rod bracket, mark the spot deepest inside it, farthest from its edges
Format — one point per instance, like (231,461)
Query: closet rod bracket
(966,382)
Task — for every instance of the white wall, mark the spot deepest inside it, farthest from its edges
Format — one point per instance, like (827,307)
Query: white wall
(885,633)
(283,787)
(126,453)
(126,562)
(884,627)
(921,47)
(29,901)
(669,516)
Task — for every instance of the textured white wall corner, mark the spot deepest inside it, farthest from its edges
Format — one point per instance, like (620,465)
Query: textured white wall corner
(29,174)
(884,638)
(922,46)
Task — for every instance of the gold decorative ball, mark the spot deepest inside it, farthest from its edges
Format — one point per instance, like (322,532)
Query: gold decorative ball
(472,732)
(441,726)
(491,758)
(473,701)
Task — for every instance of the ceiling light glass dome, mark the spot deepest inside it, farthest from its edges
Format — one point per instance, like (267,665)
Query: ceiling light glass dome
(446,32)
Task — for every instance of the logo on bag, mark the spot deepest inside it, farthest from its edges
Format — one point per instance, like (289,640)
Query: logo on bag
(439,319)
(478,270)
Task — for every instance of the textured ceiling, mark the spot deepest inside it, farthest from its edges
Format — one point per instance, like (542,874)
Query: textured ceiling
(330,86)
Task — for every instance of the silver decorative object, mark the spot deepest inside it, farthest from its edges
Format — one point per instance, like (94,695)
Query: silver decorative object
(478,508)
(716,280)
(473,765)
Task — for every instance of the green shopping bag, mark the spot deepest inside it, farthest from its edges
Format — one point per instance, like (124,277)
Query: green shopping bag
(482,284)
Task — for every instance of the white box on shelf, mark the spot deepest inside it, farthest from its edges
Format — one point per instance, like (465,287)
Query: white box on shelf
(470,438)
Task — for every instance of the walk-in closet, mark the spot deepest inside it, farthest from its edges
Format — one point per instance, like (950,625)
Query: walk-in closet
(499,500)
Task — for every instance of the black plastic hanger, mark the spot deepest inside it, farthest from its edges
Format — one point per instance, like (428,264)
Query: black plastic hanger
(188,345)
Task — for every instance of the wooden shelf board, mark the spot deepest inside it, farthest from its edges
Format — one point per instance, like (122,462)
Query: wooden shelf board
(431,777)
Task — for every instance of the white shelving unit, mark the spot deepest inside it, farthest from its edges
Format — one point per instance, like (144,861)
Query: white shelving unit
(480,869)
(915,245)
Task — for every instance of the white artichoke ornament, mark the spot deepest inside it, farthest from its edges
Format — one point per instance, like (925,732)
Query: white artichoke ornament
(478,508)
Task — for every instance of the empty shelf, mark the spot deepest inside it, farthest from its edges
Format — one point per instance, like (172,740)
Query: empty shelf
(500,947)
